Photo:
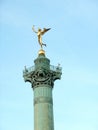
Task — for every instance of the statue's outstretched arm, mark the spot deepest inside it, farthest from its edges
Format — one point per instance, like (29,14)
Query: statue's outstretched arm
(34,29)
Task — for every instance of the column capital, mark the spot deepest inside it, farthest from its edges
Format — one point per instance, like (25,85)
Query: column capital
(42,76)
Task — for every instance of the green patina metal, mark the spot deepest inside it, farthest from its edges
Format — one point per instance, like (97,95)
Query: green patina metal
(42,76)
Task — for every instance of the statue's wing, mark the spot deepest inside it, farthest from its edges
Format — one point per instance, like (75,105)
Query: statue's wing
(45,30)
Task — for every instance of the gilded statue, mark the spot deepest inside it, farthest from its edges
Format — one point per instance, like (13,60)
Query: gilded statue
(39,33)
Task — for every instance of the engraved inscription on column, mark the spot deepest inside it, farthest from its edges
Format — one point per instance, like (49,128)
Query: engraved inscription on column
(43,100)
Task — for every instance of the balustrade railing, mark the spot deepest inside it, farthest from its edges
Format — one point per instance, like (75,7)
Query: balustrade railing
(55,68)
(28,70)
(32,68)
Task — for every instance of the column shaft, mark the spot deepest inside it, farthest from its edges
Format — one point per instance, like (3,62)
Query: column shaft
(43,108)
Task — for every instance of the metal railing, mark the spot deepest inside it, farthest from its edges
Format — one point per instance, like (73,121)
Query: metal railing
(55,68)
(32,68)
(28,70)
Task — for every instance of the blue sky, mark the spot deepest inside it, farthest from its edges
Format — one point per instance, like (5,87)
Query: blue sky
(72,42)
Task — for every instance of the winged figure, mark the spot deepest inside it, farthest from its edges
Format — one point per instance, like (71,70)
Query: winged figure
(39,33)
